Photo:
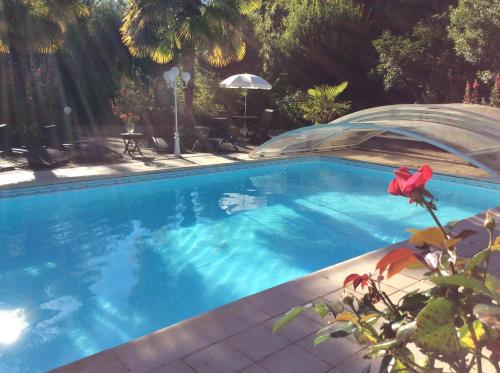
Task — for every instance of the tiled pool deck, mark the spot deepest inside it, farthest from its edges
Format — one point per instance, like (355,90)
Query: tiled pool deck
(238,338)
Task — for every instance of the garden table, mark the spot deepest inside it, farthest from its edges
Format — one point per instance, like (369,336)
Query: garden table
(131,141)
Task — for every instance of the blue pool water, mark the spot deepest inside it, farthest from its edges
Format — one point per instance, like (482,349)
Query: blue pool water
(84,270)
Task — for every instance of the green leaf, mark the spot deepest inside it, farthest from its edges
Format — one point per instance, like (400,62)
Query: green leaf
(320,339)
(287,318)
(374,354)
(436,329)
(492,283)
(413,302)
(364,337)
(336,307)
(477,259)
(321,309)
(400,367)
(465,335)
(338,329)
(385,345)
(461,280)
(489,314)
(324,308)
(405,332)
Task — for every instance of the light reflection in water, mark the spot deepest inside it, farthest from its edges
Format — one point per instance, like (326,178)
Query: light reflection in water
(12,325)
(235,202)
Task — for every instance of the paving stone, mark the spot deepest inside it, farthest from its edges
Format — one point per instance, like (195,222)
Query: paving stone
(228,320)
(103,362)
(356,364)
(218,358)
(281,299)
(332,351)
(294,359)
(299,328)
(254,368)
(258,342)
(159,348)
(177,366)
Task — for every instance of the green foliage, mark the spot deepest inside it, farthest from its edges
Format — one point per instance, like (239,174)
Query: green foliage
(288,318)
(141,96)
(435,328)
(420,62)
(321,105)
(455,324)
(36,25)
(495,92)
(289,107)
(159,30)
(475,31)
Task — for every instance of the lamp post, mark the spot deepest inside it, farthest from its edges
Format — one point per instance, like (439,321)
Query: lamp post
(173,77)
(68,129)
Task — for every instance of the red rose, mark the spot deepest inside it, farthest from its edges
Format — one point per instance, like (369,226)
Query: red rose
(406,183)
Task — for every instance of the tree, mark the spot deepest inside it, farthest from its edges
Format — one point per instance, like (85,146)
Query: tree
(420,65)
(475,31)
(214,29)
(33,27)
(495,92)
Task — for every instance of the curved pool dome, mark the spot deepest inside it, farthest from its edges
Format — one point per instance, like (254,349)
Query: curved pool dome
(472,132)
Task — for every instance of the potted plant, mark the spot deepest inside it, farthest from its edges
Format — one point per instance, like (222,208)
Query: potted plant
(130,120)
(455,325)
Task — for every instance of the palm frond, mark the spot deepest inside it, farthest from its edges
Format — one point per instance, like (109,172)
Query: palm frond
(159,28)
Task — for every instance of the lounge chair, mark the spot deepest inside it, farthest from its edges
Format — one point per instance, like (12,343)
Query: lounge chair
(262,131)
(159,145)
(214,137)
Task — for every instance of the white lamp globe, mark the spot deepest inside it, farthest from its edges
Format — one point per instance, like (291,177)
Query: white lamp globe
(186,77)
(67,110)
(175,71)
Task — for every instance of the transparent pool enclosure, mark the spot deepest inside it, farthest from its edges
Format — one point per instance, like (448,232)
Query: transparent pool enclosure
(471,132)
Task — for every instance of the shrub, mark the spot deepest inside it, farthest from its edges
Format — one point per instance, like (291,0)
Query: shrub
(321,104)
(457,322)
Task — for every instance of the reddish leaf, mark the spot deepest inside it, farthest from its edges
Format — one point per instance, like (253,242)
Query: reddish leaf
(350,279)
(361,280)
(393,256)
(398,266)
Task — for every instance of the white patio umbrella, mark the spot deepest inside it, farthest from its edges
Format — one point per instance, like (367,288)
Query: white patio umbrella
(246,82)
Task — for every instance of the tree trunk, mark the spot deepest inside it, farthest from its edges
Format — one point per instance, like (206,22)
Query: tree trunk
(188,64)
(20,96)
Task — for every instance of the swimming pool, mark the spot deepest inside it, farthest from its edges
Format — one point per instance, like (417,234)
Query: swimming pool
(87,266)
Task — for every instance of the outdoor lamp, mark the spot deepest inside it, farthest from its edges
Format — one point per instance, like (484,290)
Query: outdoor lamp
(171,77)
(67,110)
(186,77)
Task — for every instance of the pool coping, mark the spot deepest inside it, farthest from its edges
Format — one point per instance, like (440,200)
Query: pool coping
(81,182)
(237,337)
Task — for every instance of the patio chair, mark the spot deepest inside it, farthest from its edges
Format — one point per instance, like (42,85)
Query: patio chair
(159,145)
(261,131)
(84,150)
(214,137)
(4,140)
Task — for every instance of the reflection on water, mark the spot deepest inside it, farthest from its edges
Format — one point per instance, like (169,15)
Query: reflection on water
(235,202)
(107,265)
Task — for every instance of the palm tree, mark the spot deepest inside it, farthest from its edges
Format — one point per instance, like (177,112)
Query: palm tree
(160,29)
(33,27)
